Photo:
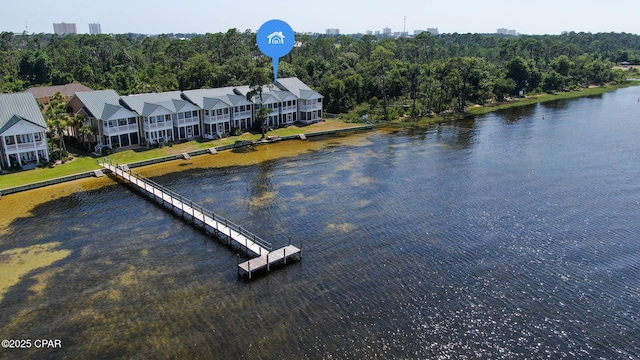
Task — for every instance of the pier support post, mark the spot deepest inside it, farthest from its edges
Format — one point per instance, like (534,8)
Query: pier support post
(300,250)
(268,264)
(284,251)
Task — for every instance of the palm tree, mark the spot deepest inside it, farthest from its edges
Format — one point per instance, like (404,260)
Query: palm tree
(86,131)
(57,118)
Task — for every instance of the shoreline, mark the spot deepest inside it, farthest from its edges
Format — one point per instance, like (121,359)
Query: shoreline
(212,150)
(485,109)
(89,169)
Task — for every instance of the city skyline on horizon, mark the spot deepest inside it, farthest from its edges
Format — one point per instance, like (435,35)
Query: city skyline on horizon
(545,17)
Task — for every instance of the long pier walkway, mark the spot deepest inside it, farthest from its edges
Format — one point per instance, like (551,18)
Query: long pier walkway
(262,251)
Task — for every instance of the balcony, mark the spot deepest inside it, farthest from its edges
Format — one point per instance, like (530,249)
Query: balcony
(216,119)
(162,125)
(186,121)
(242,114)
(121,129)
(311,107)
(26,146)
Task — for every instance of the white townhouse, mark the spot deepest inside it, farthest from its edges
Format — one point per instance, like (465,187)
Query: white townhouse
(113,124)
(22,131)
(284,105)
(222,110)
(309,101)
(165,116)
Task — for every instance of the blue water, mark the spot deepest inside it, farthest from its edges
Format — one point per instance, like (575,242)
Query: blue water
(511,236)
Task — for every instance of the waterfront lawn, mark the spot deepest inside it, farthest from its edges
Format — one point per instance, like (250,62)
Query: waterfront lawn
(82,164)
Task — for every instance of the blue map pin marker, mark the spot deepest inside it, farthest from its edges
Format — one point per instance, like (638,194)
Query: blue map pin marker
(275,39)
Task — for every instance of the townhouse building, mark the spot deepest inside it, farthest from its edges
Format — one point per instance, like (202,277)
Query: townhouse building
(223,109)
(309,109)
(147,119)
(114,124)
(283,104)
(165,116)
(23,129)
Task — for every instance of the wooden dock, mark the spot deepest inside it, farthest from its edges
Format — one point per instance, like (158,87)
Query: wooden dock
(225,230)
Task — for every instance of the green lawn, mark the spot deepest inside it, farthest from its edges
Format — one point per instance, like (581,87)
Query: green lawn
(87,163)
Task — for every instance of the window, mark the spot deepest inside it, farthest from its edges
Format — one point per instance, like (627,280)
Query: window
(194,113)
(167,117)
(122,122)
(180,115)
(37,136)
(294,103)
(206,113)
(319,101)
(160,118)
(241,107)
(248,107)
(289,103)
(132,120)
(226,111)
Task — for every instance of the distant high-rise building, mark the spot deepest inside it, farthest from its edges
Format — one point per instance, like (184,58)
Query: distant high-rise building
(504,31)
(433,31)
(386,31)
(95,29)
(417,32)
(333,31)
(63,28)
(369,32)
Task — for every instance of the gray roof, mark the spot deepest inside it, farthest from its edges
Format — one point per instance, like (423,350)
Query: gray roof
(101,104)
(137,102)
(268,91)
(19,106)
(226,95)
(297,88)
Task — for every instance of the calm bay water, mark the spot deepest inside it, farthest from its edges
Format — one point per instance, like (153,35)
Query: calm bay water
(512,236)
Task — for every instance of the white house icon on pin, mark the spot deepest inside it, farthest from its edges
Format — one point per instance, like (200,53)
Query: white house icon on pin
(276,38)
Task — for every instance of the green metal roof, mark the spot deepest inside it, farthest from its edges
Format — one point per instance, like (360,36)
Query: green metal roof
(19,106)
(102,104)
(137,102)
(297,88)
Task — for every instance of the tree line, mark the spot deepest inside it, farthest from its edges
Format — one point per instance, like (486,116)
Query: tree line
(417,76)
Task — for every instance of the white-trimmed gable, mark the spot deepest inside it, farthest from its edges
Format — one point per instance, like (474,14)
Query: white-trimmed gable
(122,113)
(23,127)
(160,110)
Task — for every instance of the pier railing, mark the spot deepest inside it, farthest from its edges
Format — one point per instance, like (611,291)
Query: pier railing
(188,202)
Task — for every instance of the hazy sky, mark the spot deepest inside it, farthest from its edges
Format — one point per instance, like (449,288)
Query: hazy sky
(350,16)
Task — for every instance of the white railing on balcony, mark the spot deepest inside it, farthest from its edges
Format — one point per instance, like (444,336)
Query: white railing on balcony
(26,146)
(242,114)
(163,125)
(312,107)
(186,121)
(217,119)
(115,130)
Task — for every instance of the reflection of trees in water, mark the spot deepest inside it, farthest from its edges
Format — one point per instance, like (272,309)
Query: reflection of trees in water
(458,134)
(516,114)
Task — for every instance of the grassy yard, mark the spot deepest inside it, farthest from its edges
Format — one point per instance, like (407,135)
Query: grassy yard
(82,164)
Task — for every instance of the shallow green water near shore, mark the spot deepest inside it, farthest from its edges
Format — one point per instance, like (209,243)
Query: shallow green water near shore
(511,236)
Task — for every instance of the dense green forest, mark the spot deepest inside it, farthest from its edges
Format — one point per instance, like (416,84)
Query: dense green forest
(425,74)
